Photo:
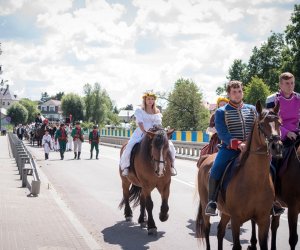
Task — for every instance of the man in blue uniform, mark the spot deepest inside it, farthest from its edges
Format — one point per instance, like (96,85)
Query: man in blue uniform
(233,123)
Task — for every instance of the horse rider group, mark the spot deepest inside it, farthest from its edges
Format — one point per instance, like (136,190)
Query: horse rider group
(234,121)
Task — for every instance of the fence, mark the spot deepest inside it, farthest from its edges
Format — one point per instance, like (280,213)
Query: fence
(183,149)
(25,163)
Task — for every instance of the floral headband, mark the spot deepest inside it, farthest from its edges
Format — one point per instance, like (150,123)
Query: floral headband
(149,94)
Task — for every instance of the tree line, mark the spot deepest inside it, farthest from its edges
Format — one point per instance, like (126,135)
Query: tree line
(280,53)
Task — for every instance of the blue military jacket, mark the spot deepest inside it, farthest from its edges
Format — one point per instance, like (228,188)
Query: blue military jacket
(234,122)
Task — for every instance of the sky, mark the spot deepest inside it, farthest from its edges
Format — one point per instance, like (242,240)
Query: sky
(130,47)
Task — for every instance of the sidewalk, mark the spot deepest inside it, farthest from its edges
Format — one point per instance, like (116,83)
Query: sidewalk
(35,222)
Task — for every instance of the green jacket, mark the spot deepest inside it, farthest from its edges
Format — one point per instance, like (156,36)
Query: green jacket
(61,136)
(94,137)
(77,134)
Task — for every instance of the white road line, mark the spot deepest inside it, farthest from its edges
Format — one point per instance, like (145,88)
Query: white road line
(183,182)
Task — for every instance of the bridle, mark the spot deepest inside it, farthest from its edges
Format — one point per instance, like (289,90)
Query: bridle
(268,139)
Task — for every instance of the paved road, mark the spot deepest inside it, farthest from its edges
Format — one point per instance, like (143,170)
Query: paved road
(92,191)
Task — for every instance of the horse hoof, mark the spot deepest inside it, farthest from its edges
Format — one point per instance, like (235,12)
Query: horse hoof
(143,224)
(128,219)
(163,217)
(152,231)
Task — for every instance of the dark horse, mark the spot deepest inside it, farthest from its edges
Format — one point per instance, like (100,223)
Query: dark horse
(289,193)
(250,192)
(38,134)
(150,168)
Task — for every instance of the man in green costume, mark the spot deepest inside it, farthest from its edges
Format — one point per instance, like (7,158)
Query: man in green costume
(77,134)
(61,136)
(94,139)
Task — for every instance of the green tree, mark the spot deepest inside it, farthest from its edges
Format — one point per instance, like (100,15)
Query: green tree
(88,100)
(31,108)
(238,71)
(73,104)
(292,36)
(185,110)
(256,90)
(98,105)
(18,113)
(59,96)
(45,97)
(266,61)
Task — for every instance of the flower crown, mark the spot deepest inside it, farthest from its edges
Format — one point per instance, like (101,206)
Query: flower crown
(149,94)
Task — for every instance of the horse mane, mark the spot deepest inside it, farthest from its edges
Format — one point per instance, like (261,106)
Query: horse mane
(244,156)
(146,148)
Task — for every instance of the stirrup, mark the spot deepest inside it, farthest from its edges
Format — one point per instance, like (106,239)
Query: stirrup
(211,208)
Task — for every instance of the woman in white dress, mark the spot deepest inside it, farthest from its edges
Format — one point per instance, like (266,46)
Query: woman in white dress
(146,117)
(47,143)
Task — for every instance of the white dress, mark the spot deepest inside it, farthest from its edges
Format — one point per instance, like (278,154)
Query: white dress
(47,143)
(148,120)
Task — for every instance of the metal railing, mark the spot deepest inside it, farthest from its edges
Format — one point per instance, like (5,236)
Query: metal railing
(183,149)
(25,163)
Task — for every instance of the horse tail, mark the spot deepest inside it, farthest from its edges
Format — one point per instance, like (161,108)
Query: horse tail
(200,224)
(134,196)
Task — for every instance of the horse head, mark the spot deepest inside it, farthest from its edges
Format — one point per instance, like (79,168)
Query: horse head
(269,127)
(160,154)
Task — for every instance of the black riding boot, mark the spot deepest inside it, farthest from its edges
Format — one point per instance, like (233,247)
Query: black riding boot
(46,156)
(91,155)
(97,153)
(75,155)
(78,158)
(61,155)
(212,197)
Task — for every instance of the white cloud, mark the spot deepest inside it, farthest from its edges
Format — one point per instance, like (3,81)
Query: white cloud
(196,39)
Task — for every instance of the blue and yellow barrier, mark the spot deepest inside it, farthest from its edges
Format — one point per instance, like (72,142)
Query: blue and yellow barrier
(188,136)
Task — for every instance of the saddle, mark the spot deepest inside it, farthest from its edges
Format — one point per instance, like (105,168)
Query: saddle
(229,172)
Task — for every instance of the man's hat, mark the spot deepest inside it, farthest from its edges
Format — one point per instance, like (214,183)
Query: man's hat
(95,126)
(77,123)
(61,125)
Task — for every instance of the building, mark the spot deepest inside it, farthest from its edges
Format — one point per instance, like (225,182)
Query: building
(126,115)
(51,109)
(7,99)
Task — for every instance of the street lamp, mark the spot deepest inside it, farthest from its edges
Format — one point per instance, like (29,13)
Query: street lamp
(1,100)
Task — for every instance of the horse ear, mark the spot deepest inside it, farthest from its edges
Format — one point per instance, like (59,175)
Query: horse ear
(170,132)
(276,108)
(150,134)
(258,107)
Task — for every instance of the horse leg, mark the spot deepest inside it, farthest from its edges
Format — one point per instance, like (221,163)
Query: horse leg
(125,201)
(143,218)
(164,192)
(152,229)
(263,229)
(235,228)
(274,227)
(293,220)
(253,236)
(221,230)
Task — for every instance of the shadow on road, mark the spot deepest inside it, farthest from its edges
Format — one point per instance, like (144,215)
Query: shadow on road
(214,231)
(129,236)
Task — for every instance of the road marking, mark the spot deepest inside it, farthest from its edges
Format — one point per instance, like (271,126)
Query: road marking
(183,182)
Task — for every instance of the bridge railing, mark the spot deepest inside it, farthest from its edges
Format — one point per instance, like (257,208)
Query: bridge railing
(25,163)
(183,149)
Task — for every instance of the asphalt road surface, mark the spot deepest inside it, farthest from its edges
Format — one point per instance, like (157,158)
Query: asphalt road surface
(91,189)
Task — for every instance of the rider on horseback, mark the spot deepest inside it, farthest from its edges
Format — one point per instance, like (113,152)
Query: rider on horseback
(146,118)
(289,113)
(38,120)
(233,123)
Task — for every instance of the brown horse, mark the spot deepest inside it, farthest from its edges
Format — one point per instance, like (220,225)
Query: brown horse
(289,193)
(150,168)
(250,193)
